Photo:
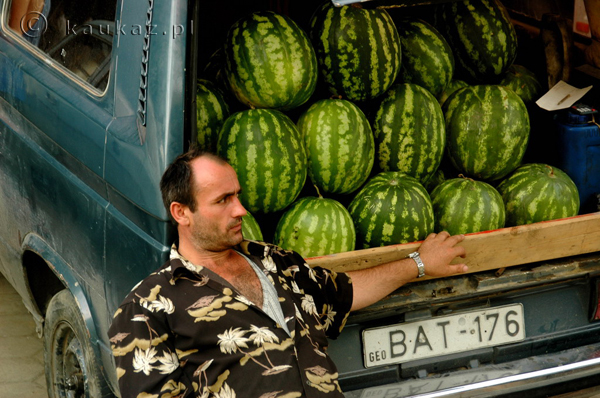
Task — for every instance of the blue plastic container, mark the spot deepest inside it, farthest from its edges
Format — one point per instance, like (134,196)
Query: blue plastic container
(579,155)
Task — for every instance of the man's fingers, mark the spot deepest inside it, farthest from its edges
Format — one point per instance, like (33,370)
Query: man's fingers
(459,268)
(455,239)
(439,249)
(460,251)
(443,235)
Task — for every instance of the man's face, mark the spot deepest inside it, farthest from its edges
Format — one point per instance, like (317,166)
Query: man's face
(216,224)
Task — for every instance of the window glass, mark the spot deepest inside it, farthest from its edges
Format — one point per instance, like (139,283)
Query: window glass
(77,34)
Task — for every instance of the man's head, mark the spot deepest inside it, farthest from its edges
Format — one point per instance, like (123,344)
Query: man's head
(200,192)
(177,182)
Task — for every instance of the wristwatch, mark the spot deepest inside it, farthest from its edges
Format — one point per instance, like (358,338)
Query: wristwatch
(415,256)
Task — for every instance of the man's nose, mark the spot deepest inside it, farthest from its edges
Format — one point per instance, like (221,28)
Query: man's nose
(239,209)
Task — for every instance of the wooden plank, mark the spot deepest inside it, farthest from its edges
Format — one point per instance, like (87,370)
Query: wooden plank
(489,250)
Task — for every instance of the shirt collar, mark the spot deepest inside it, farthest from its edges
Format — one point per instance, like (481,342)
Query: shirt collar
(247,247)
(259,250)
(175,255)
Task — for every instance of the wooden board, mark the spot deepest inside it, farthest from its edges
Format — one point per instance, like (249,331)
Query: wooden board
(489,250)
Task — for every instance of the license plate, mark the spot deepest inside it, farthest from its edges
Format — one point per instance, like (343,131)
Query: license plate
(443,335)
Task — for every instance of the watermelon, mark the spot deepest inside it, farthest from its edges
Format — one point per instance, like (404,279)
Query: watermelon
(391,208)
(214,71)
(453,86)
(316,227)
(538,192)
(250,228)
(463,205)
(427,58)
(481,35)
(436,179)
(270,62)
(523,82)
(358,50)
(488,129)
(339,144)
(266,150)
(211,112)
(409,131)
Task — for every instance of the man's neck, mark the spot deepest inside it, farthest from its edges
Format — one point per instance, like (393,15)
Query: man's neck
(206,258)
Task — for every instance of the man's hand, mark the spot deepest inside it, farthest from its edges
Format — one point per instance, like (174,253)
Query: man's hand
(438,250)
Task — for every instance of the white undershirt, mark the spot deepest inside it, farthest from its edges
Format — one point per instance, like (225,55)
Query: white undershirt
(271,304)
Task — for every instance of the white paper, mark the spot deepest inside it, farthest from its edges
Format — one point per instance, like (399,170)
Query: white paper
(561,96)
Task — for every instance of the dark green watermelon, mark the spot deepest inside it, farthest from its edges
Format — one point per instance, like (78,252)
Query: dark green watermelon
(391,208)
(409,131)
(481,35)
(358,50)
(267,152)
(538,192)
(463,205)
(488,129)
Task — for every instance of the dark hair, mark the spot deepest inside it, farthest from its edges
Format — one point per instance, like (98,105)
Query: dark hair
(177,182)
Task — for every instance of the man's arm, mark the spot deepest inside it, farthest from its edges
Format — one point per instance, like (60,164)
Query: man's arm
(437,251)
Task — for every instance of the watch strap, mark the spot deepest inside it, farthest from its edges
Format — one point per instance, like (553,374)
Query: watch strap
(420,266)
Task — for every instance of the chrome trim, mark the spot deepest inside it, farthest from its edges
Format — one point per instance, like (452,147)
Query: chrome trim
(516,383)
(340,3)
(143,91)
(489,380)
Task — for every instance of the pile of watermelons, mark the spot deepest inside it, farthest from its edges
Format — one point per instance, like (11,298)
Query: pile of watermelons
(369,131)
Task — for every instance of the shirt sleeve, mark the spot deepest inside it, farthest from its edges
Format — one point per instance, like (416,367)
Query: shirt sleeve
(332,294)
(145,357)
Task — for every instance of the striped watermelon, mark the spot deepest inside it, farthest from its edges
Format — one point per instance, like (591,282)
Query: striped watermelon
(427,58)
(358,50)
(463,205)
(266,150)
(316,227)
(391,208)
(409,131)
(482,36)
(488,129)
(436,179)
(339,144)
(538,192)
(214,72)
(250,228)
(211,112)
(453,86)
(523,82)
(213,68)
(270,62)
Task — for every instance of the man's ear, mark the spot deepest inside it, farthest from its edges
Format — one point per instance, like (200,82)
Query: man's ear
(180,213)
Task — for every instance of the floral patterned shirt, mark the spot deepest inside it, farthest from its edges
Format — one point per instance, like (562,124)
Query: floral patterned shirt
(186,332)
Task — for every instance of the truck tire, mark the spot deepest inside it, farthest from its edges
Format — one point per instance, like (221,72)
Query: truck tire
(71,369)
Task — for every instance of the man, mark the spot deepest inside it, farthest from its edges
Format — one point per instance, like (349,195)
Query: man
(232,318)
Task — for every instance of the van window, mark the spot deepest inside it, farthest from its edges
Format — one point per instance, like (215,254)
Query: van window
(77,34)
